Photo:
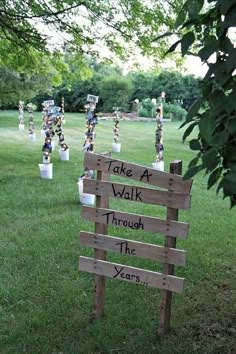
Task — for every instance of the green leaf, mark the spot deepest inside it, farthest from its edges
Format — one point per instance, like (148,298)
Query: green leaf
(231,61)
(192,171)
(229,182)
(166,34)
(219,187)
(195,145)
(189,130)
(214,176)
(216,99)
(173,47)
(193,110)
(220,138)
(232,100)
(193,162)
(232,201)
(230,19)
(226,5)
(180,18)
(210,159)
(207,87)
(229,155)
(194,7)
(207,127)
(186,42)
(210,47)
(232,166)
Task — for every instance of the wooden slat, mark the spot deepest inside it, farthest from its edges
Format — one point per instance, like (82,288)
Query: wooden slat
(131,274)
(137,172)
(99,280)
(166,295)
(133,248)
(136,221)
(138,194)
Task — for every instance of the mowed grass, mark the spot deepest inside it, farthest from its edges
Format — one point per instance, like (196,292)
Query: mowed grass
(46,303)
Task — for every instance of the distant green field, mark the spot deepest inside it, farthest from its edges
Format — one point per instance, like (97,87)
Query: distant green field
(45,302)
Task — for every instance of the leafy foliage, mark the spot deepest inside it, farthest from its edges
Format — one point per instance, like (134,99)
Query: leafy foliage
(147,108)
(144,85)
(174,111)
(206,31)
(171,111)
(25,79)
(83,23)
(115,92)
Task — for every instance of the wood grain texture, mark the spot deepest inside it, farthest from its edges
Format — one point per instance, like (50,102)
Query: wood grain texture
(99,280)
(166,295)
(133,248)
(137,172)
(138,194)
(136,221)
(131,274)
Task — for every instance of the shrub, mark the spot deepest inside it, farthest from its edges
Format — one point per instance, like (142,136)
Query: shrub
(147,108)
(174,111)
(171,111)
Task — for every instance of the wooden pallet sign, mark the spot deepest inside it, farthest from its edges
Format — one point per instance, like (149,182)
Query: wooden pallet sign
(175,197)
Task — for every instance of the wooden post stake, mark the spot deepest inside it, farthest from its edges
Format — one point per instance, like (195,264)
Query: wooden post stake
(166,295)
(99,280)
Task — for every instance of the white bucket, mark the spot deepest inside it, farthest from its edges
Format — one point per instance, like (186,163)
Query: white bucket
(21,126)
(42,132)
(64,155)
(85,198)
(46,170)
(32,137)
(116,147)
(158,165)
(53,145)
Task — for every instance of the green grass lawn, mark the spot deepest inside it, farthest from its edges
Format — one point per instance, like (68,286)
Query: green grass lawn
(45,302)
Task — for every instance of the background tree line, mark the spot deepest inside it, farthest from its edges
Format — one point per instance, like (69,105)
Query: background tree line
(113,88)
(106,81)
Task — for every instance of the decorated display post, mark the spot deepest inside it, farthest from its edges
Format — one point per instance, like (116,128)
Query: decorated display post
(52,116)
(116,146)
(64,149)
(63,111)
(91,121)
(46,167)
(32,135)
(21,124)
(159,163)
(88,146)
(45,105)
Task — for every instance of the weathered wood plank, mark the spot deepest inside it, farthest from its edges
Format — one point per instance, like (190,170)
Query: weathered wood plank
(138,194)
(166,295)
(132,274)
(136,221)
(99,280)
(137,172)
(133,248)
